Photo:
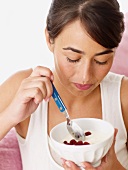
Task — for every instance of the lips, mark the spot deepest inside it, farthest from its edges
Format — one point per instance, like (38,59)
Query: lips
(83,87)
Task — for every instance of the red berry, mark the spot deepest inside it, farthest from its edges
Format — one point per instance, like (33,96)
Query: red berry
(65,142)
(87,133)
(79,143)
(86,143)
(72,142)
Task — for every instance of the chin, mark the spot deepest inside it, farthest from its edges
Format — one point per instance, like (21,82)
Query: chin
(79,93)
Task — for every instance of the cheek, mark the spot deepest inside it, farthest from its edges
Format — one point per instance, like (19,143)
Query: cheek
(101,72)
(107,68)
(63,68)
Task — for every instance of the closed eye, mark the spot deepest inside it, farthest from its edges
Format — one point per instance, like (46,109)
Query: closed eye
(72,61)
(101,63)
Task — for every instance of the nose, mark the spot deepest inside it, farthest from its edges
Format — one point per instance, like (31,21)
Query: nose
(86,72)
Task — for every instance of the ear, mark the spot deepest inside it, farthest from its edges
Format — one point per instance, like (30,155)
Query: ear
(50,43)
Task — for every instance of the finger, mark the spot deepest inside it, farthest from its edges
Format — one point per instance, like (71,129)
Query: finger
(31,93)
(87,166)
(49,88)
(115,132)
(65,164)
(112,149)
(43,83)
(42,71)
(114,139)
(111,152)
(69,165)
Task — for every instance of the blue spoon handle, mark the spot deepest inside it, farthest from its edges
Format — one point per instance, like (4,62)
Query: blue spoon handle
(58,99)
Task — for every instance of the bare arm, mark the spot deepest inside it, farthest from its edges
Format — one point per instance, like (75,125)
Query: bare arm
(20,96)
(7,92)
(9,88)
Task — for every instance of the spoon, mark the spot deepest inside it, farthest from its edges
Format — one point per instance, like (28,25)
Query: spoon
(72,127)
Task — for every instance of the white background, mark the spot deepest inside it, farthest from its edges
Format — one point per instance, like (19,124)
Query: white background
(22,40)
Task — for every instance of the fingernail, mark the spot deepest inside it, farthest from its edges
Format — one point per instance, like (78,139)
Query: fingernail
(68,164)
(52,78)
(82,165)
(36,102)
(47,99)
(62,161)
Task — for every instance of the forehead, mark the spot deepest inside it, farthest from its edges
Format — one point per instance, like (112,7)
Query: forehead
(74,29)
(74,34)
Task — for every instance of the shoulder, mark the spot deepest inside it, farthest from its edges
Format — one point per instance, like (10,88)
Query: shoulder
(113,77)
(18,76)
(10,87)
(118,85)
(112,81)
(124,100)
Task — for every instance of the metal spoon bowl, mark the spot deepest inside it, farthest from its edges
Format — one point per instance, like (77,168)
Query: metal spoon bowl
(72,127)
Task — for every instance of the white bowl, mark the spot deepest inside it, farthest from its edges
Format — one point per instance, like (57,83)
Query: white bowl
(100,141)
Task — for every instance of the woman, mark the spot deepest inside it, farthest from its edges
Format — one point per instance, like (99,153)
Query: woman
(83,36)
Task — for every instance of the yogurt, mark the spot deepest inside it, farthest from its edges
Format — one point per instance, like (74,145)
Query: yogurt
(95,137)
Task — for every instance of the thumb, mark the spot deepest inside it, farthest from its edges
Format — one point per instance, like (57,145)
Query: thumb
(112,148)
(87,166)
(114,140)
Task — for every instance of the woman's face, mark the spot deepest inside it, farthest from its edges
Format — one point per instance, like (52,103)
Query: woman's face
(80,62)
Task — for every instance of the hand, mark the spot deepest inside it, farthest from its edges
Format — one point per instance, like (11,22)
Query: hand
(109,162)
(31,92)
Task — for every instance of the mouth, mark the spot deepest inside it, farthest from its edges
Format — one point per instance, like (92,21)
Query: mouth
(83,87)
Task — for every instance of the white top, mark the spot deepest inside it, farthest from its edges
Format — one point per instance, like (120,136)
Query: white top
(35,149)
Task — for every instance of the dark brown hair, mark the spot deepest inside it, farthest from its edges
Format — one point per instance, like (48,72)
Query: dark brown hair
(102,19)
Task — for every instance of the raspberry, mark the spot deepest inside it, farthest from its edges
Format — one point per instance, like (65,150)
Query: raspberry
(87,133)
(65,142)
(79,143)
(86,143)
(73,142)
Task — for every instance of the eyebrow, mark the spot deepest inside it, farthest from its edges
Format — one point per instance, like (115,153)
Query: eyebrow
(82,52)
(104,52)
(74,50)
